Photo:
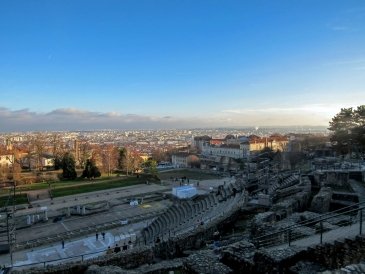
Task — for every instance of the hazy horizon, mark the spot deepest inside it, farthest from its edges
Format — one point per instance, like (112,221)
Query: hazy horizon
(89,65)
(287,128)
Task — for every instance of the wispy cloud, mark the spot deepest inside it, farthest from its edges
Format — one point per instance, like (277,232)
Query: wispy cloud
(315,108)
(310,114)
(76,119)
(356,61)
(352,64)
(356,10)
(339,28)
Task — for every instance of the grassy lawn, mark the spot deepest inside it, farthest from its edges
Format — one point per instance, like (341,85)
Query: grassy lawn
(94,186)
(37,186)
(191,174)
(64,188)
(19,199)
(58,184)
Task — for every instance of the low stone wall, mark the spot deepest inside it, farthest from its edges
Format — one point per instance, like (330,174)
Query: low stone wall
(240,257)
(281,260)
(341,253)
(276,261)
(128,259)
(204,262)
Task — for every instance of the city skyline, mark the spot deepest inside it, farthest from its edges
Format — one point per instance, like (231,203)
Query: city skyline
(88,65)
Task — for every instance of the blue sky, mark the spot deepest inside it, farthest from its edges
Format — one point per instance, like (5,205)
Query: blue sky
(130,64)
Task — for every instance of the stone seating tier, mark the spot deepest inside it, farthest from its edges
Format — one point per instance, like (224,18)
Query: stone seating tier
(199,206)
(205,204)
(190,208)
(180,213)
(165,222)
(188,215)
(211,200)
(175,215)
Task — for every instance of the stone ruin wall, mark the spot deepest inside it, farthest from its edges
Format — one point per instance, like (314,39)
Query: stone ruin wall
(322,200)
(341,253)
(332,178)
(264,222)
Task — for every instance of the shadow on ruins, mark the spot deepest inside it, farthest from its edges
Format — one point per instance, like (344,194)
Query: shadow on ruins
(261,222)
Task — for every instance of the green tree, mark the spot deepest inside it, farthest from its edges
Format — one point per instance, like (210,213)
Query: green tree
(151,166)
(91,170)
(348,127)
(359,131)
(129,160)
(57,163)
(68,167)
(109,158)
(122,155)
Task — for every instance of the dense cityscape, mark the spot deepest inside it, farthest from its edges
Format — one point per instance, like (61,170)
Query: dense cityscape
(180,186)
(146,141)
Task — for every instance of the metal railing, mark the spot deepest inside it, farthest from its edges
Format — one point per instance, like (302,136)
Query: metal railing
(82,257)
(344,216)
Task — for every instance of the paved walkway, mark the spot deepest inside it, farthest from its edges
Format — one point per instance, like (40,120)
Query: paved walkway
(72,223)
(341,232)
(78,249)
(92,197)
(327,237)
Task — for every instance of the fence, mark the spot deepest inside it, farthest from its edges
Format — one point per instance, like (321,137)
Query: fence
(76,258)
(346,216)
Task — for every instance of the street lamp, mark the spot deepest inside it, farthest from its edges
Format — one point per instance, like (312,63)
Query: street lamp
(10,227)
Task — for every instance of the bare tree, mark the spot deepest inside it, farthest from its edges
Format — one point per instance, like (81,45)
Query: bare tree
(130,160)
(38,148)
(84,153)
(12,169)
(58,150)
(16,167)
(3,173)
(109,156)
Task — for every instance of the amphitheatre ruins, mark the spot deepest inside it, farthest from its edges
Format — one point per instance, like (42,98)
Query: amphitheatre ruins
(260,222)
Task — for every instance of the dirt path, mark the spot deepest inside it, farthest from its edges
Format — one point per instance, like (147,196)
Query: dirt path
(36,195)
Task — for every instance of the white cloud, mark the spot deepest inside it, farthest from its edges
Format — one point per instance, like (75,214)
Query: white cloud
(328,109)
(357,61)
(310,114)
(76,119)
(339,28)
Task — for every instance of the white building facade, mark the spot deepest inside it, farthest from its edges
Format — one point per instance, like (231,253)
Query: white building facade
(240,151)
(6,160)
